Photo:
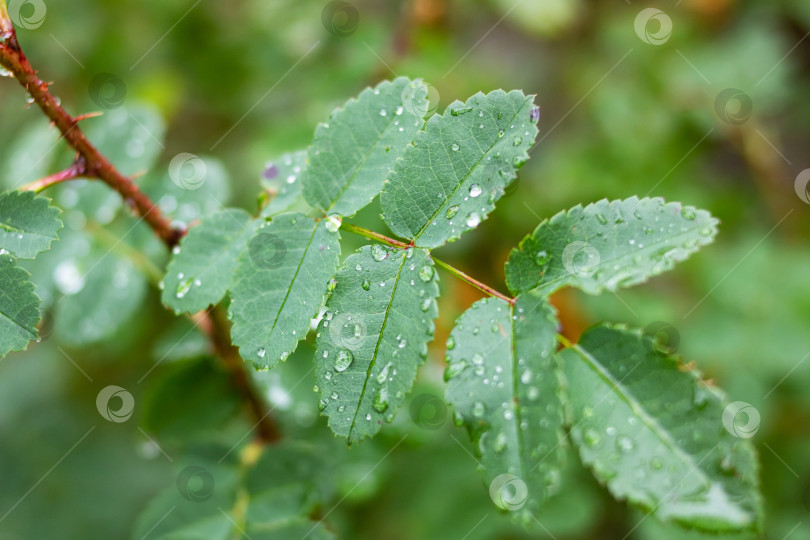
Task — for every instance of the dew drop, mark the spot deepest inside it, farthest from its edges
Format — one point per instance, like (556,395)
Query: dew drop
(625,444)
(380,403)
(452,211)
(478,409)
(592,438)
(542,258)
(343,361)
(183,287)
(473,220)
(426,273)
(454,147)
(500,442)
(366,285)
(688,213)
(475,190)
(378,252)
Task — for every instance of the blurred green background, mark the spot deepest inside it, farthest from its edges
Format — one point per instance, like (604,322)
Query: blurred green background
(624,112)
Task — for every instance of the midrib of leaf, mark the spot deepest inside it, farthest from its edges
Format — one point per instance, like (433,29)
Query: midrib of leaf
(362,161)
(377,345)
(9,228)
(12,319)
(667,240)
(518,408)
(292,282)
(461,182)
(650,422)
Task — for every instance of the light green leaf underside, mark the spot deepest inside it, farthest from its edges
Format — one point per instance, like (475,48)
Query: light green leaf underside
(353,152)
(502,382)
(279,286)
(111,292)
(19,307)
(608,245)
(282,177)
(374,336)
(457,168)
(28,223)
(270,500)
(201,272)
(653,432)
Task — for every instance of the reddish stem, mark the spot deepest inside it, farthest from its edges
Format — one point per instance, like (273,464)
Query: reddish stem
(76,170)
(90,163)
(96,165)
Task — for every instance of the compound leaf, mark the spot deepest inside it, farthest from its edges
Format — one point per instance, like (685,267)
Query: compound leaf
(352,154)
(374,336)
(280,284)
(654,433)
(282,177)
(502,382)
(455,170)
(608,245)
(201,269)
(19,307)
(28,224)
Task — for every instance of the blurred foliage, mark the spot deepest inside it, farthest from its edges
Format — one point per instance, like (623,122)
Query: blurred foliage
(243,82)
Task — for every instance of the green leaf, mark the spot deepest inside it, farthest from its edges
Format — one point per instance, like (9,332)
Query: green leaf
(202,268)
(214,497)
(502,382)
(19,307)
(280,284)
(353,153)
(451,176)
(104,293)
(608,245)
(28,224)
(653,432)
(282,177)
(374,336)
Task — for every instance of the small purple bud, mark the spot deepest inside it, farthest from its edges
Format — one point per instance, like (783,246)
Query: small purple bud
(534,116)
(271,171)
